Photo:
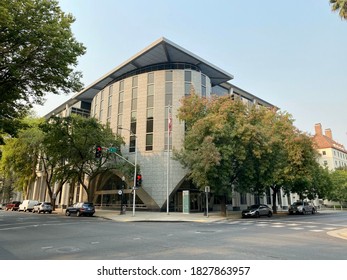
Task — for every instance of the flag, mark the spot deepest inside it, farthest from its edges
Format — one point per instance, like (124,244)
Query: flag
(169,121)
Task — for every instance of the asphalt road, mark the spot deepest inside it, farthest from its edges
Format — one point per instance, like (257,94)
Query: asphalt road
(28,236)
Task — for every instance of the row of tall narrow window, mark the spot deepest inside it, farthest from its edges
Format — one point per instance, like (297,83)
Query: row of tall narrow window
(149,106)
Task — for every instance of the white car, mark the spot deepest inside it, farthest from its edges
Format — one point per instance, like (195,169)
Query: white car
(43,207)
(27,205)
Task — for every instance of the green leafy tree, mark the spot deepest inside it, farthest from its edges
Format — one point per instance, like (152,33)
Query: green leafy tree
(250,148)
(217,142)
(38,53)
(339,182)
(339,6)
(72,141)
(20,156)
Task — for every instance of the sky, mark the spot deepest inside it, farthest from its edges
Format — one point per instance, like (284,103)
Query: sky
(292,54)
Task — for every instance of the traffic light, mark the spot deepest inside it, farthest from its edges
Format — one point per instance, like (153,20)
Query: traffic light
(98,152)
(138,180)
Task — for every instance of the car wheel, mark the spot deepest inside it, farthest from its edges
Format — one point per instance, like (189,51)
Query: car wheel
(257,215)
(303,212)
(67,213)
(50,212)
(313,211)
(269,214)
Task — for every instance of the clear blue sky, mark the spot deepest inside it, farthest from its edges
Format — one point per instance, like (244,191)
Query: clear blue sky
(292,54)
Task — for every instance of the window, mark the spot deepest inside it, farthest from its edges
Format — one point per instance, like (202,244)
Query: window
(150,78)
(135,81)
(109,105)
(120,106)
(101,105)
(187,82)
(150,96)
(133,117)
(149,112)
(243,198)
(203,85)
(95,104)
(134,99)
(132,143)
(324,153)
(168,93)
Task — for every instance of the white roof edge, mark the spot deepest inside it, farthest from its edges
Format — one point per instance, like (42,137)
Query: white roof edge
(146,49)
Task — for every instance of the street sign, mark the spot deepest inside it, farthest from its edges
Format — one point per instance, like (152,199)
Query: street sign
(112,149)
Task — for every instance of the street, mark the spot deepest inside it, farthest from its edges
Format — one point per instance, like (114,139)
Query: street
(28,236)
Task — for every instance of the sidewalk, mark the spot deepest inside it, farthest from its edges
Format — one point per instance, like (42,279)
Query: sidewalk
(149,216)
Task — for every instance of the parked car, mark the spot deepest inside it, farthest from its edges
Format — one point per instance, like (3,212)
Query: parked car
(13,206)
(27,205)
(257,210)
(43,207)
(81,209)
(298,208)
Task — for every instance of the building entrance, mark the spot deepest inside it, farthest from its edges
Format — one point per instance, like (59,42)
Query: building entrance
(195,195)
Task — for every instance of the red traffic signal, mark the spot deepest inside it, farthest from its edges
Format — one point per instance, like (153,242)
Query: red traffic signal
(138,180)
(98,152)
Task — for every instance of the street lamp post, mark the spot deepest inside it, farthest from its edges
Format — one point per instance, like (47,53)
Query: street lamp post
(122,197)
(135,166)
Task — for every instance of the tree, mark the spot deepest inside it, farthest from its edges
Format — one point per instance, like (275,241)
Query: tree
(20,155)
(249,148)
(38,53)
(72,142)
(340,6)
(217,142)
(339,182)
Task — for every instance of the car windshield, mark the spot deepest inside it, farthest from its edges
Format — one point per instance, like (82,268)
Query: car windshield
(297,203)
(47,203)
(252,207)
(88,204)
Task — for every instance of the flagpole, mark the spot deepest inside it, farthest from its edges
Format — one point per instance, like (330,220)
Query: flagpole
(169,125)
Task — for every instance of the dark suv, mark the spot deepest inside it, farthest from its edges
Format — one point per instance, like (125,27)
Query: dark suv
(81,209)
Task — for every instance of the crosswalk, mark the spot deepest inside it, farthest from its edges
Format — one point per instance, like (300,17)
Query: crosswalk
(295,226)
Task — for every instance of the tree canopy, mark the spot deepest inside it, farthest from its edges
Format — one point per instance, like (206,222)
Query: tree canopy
(38,54)
(70,143)
(339,181)
(64,150)
(339,6)
(230,145)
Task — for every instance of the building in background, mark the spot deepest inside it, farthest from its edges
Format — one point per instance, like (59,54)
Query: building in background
(332,154)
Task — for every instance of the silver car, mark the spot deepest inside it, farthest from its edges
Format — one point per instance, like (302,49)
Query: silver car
(257,210)
(43,207)
(299,208)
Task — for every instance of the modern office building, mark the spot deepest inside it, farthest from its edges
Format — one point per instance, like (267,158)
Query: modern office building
(136,99)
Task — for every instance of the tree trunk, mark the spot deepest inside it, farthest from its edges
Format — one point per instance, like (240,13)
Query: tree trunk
(223,207)
(274,199)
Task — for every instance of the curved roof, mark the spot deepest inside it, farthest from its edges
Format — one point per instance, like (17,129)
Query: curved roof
(160,51)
